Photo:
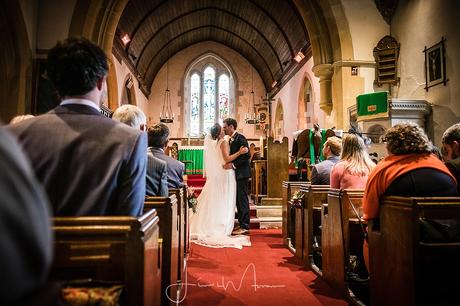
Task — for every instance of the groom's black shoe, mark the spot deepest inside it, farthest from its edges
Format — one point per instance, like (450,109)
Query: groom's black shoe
(241,231)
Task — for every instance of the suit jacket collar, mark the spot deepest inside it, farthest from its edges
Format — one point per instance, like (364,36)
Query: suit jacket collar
(156,150)
(76,109)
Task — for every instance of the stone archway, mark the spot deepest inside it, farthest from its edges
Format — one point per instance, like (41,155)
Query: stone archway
(97,20)
(332,46)
(15,63)
(279,121)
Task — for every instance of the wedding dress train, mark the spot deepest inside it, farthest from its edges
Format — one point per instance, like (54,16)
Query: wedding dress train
(212,224)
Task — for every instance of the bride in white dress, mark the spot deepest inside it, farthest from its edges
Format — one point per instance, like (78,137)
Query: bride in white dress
(213,222)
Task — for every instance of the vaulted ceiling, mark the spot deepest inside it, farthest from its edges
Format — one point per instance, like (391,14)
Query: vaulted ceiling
(268,33)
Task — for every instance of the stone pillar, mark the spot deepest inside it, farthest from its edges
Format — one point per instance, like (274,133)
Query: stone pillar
(324,72)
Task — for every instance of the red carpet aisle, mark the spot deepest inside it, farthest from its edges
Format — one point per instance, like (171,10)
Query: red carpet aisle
(264,274)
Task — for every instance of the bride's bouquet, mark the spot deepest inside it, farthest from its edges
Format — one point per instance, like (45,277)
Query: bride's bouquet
(191,199)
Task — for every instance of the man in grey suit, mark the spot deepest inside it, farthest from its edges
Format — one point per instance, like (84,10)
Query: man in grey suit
(158,137)
(156,179)
(25,226)
(321,172)
(89,164)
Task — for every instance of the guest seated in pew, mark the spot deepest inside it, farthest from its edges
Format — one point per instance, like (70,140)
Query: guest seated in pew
(410,169)
(89,164)
(451,149)
(25,228)
(156,183)
(321,172)
(158,138)
(353,169)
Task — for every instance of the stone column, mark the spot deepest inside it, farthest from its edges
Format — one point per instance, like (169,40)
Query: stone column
(324,72)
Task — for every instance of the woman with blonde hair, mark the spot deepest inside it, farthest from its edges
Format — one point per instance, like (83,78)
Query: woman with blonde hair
(353,169)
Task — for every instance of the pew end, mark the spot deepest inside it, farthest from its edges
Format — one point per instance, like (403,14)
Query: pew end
(409,263)
(110,250)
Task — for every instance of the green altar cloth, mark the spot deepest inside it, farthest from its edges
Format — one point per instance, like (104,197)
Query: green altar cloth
(372,105)
(192,157)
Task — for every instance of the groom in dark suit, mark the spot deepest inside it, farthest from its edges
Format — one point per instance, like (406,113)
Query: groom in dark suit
(242,173)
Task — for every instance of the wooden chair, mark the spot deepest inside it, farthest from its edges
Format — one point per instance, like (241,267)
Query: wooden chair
(122,250)
(341,236)
(169,235)
(408,267)
(315,196)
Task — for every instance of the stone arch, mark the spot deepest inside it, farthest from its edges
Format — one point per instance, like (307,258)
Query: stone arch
(305,109)
(97,21)
(15,63)
(331,43)
(278,125)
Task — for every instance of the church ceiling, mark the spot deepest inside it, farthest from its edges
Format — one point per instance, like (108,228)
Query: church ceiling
(268,33)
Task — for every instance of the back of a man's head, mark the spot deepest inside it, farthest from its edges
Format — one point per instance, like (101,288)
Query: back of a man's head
(158,135)
(335,144)
(451,134)
(130,115)
(75,65)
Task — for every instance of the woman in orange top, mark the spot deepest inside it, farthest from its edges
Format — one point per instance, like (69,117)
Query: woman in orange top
(410,169)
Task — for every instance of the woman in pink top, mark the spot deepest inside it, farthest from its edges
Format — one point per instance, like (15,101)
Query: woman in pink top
(352,170)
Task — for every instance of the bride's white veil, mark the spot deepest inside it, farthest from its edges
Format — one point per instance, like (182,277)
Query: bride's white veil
(212,163)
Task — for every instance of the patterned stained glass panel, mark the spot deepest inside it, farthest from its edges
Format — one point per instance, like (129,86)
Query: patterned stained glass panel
(224,90)
(209,98)
(195,105)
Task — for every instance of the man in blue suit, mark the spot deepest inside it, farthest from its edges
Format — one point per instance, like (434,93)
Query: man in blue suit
(89,164)
(158,137)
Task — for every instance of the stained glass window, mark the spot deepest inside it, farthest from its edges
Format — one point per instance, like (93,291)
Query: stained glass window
(195,105)
(209,98)
(224,90)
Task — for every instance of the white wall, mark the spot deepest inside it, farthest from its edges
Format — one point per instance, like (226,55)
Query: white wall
(415,25)
(122,71)
(289,96)
(29,10)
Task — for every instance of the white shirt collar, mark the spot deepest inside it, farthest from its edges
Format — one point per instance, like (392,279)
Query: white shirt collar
(233,135)
(81,102)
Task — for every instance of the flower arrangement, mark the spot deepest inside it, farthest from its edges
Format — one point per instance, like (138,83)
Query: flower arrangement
(296,199)
(191,199)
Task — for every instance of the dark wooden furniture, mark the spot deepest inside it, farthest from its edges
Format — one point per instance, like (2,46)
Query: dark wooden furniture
(183,218)
(341,236)
(169,236)
(315,196)
(288,213)
(106,249)
(407,267)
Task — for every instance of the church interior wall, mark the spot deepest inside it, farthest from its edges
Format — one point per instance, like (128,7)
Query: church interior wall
(417,24)
(289,97)
(178,65)
(54,18)
(122,72)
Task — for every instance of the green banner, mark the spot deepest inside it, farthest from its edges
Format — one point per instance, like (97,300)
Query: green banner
(372,105)
(193,160)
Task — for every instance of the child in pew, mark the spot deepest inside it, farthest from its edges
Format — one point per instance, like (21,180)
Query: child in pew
(410,169)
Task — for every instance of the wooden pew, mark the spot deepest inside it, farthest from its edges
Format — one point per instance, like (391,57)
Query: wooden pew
(111,249)
(183,219)
(341,236)
(169,235)
(406,268)
(315,196)
(288,214)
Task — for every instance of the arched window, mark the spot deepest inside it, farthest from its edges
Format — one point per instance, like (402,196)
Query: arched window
(195,85)
(224,90)
(209,96)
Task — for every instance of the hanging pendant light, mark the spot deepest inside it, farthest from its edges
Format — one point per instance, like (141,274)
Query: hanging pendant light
(251,116)
(167,115)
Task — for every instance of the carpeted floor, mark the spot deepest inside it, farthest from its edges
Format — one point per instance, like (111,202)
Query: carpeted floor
(264,274)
